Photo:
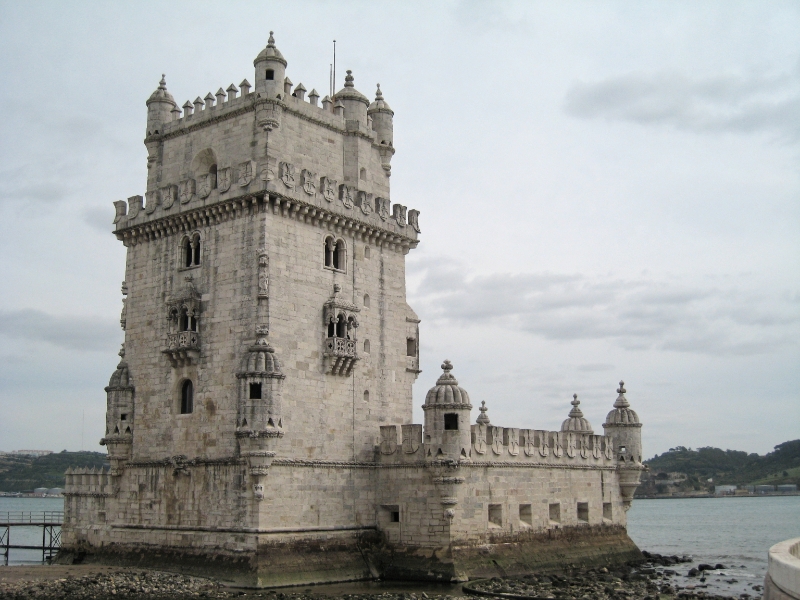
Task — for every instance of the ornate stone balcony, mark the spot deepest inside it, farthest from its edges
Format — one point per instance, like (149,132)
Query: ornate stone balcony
(340,355)
(183,348)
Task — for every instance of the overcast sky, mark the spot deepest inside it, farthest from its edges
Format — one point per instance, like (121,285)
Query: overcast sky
(608,190)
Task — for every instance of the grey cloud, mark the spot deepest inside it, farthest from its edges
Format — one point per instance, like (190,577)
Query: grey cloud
(99,219)
(72,333)
(736,103)
(594,367)
(636,314)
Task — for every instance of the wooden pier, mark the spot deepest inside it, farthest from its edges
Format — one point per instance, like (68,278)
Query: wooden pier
(49,521)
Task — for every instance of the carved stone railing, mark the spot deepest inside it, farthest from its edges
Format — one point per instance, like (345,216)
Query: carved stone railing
(183,348)
(340,355)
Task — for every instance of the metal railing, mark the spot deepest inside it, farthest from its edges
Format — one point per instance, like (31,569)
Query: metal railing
(49,520)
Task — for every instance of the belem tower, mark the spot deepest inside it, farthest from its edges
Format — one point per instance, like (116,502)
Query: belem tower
(259,422)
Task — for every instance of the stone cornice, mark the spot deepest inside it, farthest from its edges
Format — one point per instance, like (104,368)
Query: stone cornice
(250,203)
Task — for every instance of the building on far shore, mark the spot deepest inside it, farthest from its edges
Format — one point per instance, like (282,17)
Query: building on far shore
(259,423)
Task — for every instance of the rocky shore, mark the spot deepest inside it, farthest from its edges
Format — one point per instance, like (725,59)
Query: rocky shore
(660,578)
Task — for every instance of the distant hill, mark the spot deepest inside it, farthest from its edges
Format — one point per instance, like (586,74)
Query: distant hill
(25,473)
(723,467)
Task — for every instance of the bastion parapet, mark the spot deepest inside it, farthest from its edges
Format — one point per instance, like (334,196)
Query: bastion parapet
(259,423)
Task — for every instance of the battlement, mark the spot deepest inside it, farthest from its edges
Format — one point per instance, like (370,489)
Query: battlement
(89,482)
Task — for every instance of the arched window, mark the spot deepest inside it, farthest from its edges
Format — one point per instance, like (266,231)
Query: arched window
(341,327)
(366,346)
(335,254)
(366,251)
(190,251)
(363,174)
(212,170)
(366,300)
(188,321)
(187,397)
(366,395)
(327,251)
(196,249)
(338,256)
(331,329)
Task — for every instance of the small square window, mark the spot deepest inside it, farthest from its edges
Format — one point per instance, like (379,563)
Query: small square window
(395,516)
(495,515)
(583,512)
(555,513)
(255,391)
(123,417)
(450,421)
(607,514)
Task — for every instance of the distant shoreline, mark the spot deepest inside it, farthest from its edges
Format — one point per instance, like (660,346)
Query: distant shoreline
(682,496)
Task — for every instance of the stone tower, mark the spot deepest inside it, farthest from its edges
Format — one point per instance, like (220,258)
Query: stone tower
(623,427)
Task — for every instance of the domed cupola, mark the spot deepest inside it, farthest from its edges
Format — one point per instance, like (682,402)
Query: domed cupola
(121,378)
(355,103)
(446,390)
(576,423)
(119,412)
(447,421)
(160,105)
(270,70)
(622,414)
(382,119)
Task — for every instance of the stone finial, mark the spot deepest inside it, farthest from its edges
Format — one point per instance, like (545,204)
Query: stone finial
(188,109)
(245,87)
(575,412)
(622,401)
(232,91)
(348,81)
(313,97)
(162,85)
(209,100)
(121,352)
(300,92)
(271,40)
(447,366)
(198,104)
(287,86)
(326,102)
(338,108)
(483,418)
(378,93)
(176,113)
(220,96)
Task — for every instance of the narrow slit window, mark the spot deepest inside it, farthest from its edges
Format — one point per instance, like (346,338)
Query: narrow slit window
(555,513)
(495,515)
(411,347)
(366,346)
(525,514)
(187,397)
(583,512)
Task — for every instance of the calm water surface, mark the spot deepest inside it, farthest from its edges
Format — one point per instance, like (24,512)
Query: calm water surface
(736,532)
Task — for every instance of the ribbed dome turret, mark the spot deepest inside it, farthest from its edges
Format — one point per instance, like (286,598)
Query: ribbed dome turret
(270,52)
(446,390)
(349,92)
(622,414)
(161,94)
(121,378)
(576,423)
(379,105)
(261,359)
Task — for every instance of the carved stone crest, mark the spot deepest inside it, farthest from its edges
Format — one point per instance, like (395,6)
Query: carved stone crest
(186,190)
(597,452)
(288,176)
(224,179)
(168,195)
(544,449)
(413,219)
(245,173)
(497,439)
(346,195)
(571,445)
(609,451)
(558,450)
(309,182)
(480,439)
(529,443)
(412,435)
(266,175)
(152,202)
(258,491)
(364,201)
(513,441)
(583,444)
(383,207)
(399,215)
(205,185)
(388,439)
(328,188)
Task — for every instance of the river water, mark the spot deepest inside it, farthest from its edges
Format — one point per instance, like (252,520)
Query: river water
(736,532)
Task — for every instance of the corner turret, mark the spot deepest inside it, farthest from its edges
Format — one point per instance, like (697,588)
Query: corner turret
(382,119)
(447,419)
(160,105)
(270,70)
(623,426)
(576,423)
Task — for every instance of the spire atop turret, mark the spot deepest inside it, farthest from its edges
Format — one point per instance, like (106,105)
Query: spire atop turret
(349,79)
(575,412)
(271,40)
(622,401)
(483,418)
(576,421)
